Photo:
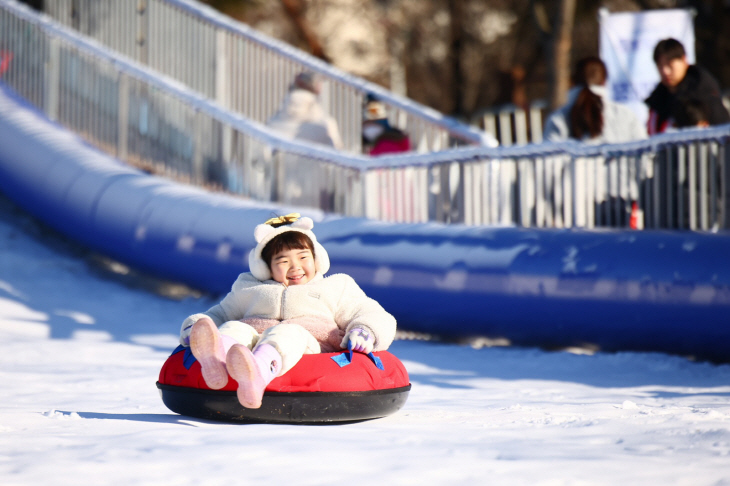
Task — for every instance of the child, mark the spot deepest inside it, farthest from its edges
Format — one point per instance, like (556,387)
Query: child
(379,137)
(691,112)
(281,309)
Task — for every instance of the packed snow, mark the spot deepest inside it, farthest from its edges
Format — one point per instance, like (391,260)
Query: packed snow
(84,340)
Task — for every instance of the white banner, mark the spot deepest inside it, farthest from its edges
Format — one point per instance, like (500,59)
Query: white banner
(626,45)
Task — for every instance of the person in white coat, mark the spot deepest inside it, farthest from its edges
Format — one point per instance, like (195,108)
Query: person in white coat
(280,310)
(589,115)
(301,115)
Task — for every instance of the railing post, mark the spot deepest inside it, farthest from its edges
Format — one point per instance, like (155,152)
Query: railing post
(525,192)
(724,156)
(490,124)
(457,192)
(536,123)
(724,174)
(222,74)
(122,116)
(370,195)
(505,128)
(715,182)
(681,179)
(579,192)
(197,169)
(704,186)
(520,126)
(569,194)
(692,186)
(143,32)
(539,172)
(52,78)
(654,159)
(222,91)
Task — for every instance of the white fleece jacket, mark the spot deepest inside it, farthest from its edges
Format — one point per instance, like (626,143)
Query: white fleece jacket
(328,307)
(302,117)
(619,121)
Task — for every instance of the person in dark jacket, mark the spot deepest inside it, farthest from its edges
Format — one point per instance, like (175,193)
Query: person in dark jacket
(379,136)
(681,81)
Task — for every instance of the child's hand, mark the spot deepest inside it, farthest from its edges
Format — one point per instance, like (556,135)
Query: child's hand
(362,340)
(187,327)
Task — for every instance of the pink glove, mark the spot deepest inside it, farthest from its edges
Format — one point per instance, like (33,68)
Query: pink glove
(362,340)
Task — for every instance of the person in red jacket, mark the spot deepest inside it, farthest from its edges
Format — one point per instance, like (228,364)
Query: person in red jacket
(379,137)
(681,81)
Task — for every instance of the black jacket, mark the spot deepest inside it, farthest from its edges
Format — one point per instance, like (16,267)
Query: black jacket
(697,84)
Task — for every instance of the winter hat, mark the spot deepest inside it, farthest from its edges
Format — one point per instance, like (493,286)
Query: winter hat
(264,233)
(309,81)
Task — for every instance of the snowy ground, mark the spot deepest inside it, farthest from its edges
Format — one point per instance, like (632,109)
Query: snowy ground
(78,403)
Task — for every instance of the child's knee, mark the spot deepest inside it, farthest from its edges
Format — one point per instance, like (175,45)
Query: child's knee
(241,332)
(291,339)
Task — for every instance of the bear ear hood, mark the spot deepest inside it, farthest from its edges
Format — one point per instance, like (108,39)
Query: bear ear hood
(264,233)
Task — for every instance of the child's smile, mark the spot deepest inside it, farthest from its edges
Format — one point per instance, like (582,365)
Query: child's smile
(293,266)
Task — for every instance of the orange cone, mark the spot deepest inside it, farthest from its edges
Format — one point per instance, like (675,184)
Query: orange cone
(636,221)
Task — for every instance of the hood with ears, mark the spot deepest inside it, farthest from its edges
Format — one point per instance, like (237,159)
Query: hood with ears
(264,233)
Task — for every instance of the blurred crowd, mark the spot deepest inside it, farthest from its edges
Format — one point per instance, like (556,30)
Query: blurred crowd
(301,116)
(687,96)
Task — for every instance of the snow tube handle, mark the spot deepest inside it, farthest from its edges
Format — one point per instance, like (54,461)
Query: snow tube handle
(345,358)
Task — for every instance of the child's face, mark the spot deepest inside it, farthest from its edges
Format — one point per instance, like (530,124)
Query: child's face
(293,267)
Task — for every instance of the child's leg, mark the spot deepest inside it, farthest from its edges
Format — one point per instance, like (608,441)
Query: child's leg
(238,332)
(291,341)
(278,350)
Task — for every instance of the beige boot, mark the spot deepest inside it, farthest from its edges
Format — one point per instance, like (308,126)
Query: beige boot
(253,371)
(207,347)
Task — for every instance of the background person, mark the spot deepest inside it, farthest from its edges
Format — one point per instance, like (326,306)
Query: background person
(681,81)
(692,112)
(589,115)
(379,136)
(301,115)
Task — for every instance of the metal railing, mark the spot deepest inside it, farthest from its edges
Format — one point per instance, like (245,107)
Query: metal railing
(244,70)
(511,125)
(677,180)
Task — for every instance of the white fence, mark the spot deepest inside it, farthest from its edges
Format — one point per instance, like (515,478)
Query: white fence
(130,111)
(511,125)
(241,69)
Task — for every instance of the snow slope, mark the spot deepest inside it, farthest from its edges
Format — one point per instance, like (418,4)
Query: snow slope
(83,346)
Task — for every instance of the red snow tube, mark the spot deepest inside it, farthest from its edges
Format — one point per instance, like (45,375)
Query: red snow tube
(320,388)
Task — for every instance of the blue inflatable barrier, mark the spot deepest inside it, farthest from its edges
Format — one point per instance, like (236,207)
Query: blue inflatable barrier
(618,290)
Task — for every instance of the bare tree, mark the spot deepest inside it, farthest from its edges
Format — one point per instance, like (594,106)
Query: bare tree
(296,11)
(455,52)
(561,48)
(397,34)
